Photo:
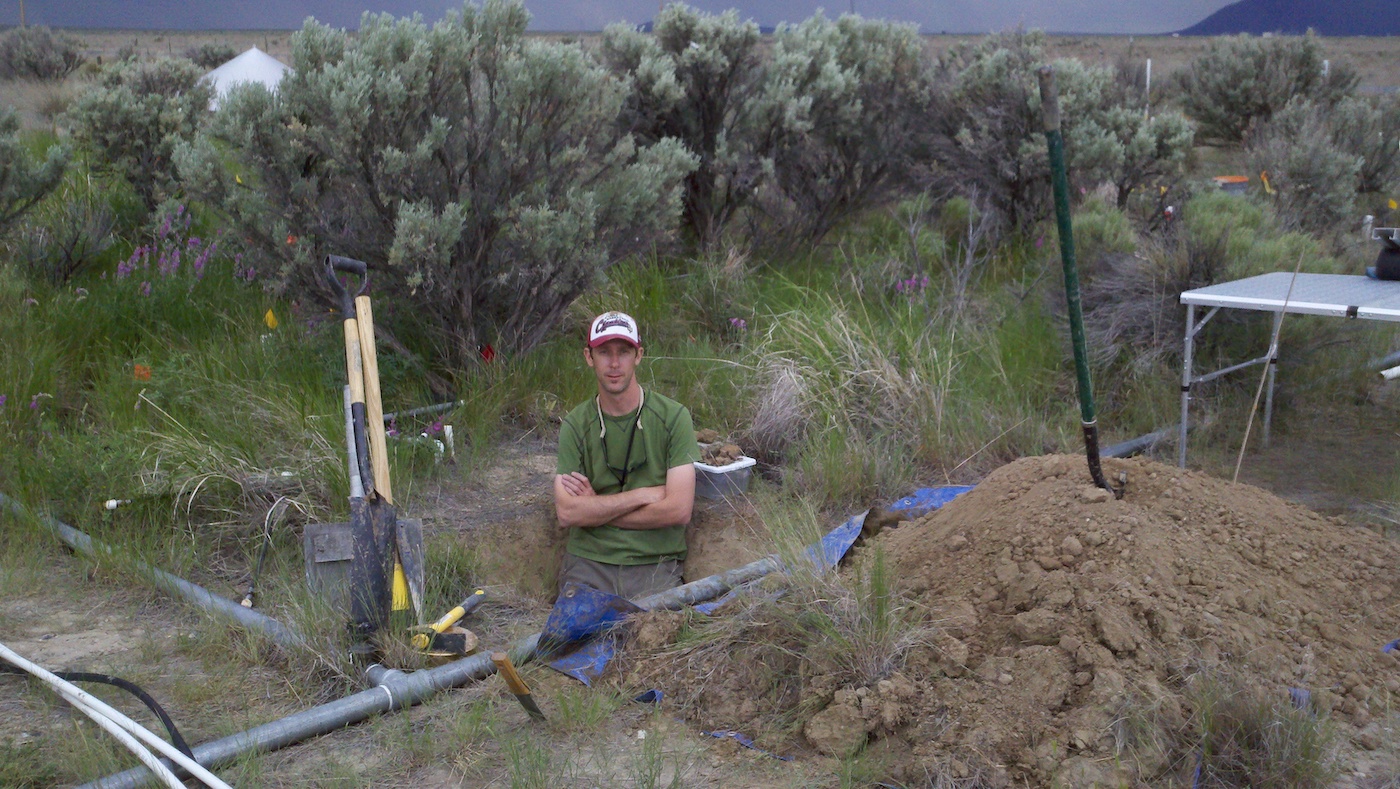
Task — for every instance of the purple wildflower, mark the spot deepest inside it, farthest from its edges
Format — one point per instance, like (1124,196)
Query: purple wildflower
(200,261)
(124,269)
(145,288)
(3,398)
(916,284)
(34,403)
(739,323)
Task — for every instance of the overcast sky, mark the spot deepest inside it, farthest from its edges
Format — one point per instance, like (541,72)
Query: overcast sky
(932,16)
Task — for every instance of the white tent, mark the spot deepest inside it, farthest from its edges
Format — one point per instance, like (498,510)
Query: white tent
(254,65)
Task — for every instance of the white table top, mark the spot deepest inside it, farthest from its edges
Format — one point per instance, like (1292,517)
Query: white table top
(1343,295)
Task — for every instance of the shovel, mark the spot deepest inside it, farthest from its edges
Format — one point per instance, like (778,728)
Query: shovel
(378,542)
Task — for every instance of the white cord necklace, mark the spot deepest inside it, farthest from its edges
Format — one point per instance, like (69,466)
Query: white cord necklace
(598,401)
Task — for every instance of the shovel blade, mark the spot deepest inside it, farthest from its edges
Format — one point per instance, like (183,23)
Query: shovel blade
(408,538)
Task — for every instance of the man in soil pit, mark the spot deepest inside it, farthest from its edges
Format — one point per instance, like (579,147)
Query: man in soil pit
(625,486)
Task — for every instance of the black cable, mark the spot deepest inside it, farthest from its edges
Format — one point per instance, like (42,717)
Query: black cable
(126,685)
(257,571)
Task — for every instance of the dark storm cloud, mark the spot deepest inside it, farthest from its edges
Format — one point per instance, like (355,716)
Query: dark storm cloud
(954,16)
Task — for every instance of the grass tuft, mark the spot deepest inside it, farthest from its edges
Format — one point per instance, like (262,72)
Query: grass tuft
(1236,732)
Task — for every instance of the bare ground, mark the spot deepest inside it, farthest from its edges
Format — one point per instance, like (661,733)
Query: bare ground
(79,616)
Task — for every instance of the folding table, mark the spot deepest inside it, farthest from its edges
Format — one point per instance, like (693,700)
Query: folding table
(1339,295)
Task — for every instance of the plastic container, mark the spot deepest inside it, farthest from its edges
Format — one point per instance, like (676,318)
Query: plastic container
(1233,184)
(720,482)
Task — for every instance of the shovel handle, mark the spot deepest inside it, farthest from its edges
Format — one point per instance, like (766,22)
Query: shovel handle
(507,671)
(348,265)
(335,263)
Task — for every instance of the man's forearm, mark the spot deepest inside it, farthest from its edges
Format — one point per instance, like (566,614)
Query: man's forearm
(670,511)
(587,511)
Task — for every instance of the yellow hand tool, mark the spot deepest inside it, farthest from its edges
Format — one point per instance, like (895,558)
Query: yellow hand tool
(438,639)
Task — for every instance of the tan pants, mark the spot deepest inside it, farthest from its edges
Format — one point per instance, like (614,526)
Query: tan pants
(630,581)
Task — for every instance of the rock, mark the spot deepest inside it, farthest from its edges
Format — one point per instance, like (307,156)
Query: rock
(1037,626)
(838,730)
(952,657)
(1043,673)
(957,542)
(1072,546)
(1095,495)
(1368,738)
(1084,773)
(1115,629)
(1007,572)
(891,715)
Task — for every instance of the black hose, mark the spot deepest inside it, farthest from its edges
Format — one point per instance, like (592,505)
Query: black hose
(126,685)
(257,570)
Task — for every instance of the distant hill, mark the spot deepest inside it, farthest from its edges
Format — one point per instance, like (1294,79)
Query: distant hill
(1327,17)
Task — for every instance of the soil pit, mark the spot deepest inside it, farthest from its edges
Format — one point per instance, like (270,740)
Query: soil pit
(1056,605)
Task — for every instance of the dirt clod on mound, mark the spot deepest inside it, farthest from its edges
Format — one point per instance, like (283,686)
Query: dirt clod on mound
(1057,606)
(1059,601)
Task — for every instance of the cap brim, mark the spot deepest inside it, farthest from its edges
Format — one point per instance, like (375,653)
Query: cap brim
(596,341)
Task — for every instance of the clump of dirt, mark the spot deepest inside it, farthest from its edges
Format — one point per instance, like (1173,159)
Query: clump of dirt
(1058,605)
(720,454)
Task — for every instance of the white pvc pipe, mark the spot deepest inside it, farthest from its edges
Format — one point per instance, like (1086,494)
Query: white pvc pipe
(80,699)
(125,727)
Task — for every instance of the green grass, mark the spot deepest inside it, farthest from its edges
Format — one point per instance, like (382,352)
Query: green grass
(853,389)
(1239,731)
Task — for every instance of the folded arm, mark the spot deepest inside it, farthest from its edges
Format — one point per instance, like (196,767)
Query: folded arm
(577,506)
(674,508)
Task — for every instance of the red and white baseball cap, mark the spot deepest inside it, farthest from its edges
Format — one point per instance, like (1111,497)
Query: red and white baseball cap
(614,326)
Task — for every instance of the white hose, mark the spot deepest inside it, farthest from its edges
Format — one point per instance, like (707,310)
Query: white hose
(119,725)
(132,744)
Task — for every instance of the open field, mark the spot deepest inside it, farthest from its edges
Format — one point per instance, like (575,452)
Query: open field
(171,364)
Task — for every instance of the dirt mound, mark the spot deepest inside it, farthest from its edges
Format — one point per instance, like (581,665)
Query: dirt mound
(1058,603)
(1059,600)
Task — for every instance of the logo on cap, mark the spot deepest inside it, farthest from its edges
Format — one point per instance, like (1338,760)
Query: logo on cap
(614,326)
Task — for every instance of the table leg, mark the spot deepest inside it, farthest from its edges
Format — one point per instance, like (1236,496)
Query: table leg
(1273,371)
(1186,383)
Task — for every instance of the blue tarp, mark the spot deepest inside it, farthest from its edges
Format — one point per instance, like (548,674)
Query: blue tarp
(583,613)
(923,500)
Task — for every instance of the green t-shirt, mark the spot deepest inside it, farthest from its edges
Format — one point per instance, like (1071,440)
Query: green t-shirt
(664,440)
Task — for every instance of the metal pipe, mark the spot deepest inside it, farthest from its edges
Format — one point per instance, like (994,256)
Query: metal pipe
(1136,446)
(1059,181)
(1272,374)
(395,689)
(1389,360)
(427,409)
(1224,371)
(170,584)
(1190,343)
(357,490)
